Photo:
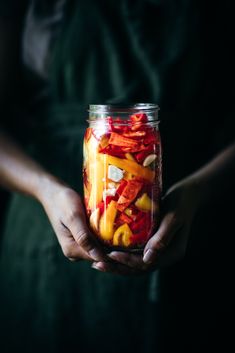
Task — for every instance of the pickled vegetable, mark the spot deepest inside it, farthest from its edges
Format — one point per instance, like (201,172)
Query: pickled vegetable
(122,171)
(107,221)
(122,235)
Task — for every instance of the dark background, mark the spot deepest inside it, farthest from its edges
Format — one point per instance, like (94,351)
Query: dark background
(4,198)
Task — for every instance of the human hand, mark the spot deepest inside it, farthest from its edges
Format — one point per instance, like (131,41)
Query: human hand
(168,245)
(65,211)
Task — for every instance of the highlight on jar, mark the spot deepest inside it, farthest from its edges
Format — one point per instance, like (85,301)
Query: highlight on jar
(122,180)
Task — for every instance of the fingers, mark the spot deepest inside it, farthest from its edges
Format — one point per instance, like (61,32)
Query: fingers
(116,268)
(69,222)
(84,238)
(169,226)
(74,253)
(128,263)
(128,259)
(125,264)
(131,260)
(69,246)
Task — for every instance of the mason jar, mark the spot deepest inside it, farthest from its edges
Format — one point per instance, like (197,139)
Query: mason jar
(122,174)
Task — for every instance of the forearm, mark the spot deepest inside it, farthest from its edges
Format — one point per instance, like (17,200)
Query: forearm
(218,176)
(18,172)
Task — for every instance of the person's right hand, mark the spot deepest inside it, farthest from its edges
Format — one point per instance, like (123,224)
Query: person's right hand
(66,214)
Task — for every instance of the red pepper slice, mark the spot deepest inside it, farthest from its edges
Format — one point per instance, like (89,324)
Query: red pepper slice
(108,199)
(101,207)
(121,187)
(121,207)
(119,140)
(139,118)
(129,193)
(140,156)
(123,218)
(135,134)
(148,188)
(112,150)
(110,123)
(87,134)
(125,144)
(142,221)
(151,137)
(116,125)
(137,226)
(139,147)
(140,238)
(137,121)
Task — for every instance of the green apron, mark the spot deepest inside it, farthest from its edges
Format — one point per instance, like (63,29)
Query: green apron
(105,52)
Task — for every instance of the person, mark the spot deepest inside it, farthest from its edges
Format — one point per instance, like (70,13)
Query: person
(65,55)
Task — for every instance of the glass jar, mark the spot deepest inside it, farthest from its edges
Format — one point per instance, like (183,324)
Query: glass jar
(122,174)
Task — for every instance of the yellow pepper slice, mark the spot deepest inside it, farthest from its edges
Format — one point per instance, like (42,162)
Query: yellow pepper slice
(107,221)
(144,203)
(122,235)
(132,167)
(129,156)
(91,147)
(128,176)
(97,174)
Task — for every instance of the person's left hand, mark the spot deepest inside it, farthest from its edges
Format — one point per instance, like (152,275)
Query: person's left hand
(168,244)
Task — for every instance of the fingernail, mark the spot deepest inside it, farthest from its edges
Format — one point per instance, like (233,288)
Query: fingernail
(149,256)
(113,255)
(96,254)
(98,267)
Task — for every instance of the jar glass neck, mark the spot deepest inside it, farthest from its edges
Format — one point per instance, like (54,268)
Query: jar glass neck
(125,109)
(122,113)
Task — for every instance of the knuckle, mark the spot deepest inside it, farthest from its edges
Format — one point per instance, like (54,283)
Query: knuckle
(82,238)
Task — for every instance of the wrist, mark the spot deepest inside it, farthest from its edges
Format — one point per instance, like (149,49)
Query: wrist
(47,186)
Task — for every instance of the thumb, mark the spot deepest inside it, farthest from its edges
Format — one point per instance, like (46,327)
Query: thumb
(159,241)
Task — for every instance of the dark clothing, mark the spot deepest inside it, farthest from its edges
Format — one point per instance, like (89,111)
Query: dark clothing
(80,52)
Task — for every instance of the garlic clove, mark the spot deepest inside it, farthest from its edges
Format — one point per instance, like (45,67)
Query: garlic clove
(149,159)
(115,173)
(109,192)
